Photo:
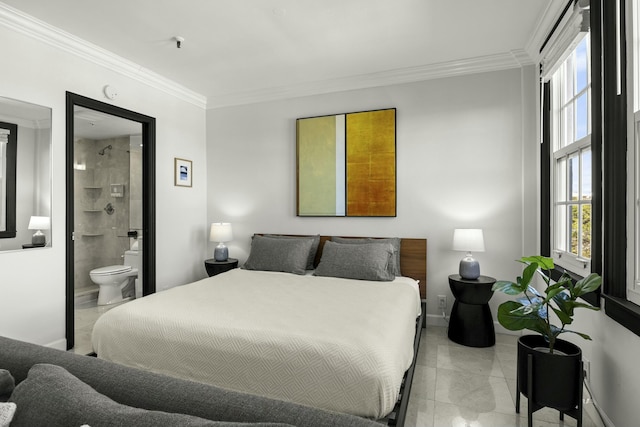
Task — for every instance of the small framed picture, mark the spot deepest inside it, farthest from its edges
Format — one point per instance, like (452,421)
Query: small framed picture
(182,173)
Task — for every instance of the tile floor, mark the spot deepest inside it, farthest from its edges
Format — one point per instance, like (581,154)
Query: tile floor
(457,386)
(86,313)
(453,386)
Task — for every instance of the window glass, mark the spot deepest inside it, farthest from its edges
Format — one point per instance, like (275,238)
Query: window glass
(574,178)
(574,228)
(571,180)
(582,66)
(582,116)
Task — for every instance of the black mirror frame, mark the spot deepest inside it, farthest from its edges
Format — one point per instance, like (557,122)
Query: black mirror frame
(12,158)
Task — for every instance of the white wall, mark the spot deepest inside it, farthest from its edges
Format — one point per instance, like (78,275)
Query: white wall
(32,282)
(459,158)
(613,355)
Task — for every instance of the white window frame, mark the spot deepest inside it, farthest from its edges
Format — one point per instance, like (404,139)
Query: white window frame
(562,256)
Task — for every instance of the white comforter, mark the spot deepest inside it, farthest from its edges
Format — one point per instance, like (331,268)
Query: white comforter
(336,344)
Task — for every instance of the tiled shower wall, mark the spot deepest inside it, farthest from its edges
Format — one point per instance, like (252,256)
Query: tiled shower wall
(100,237)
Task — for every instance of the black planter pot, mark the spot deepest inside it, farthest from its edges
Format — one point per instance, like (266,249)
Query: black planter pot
(550,380)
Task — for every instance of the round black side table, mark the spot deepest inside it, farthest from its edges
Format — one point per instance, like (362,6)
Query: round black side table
(471,323)
(216,267)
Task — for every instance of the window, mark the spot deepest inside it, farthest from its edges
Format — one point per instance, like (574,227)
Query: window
(594,215)
(570,151)
(571,160)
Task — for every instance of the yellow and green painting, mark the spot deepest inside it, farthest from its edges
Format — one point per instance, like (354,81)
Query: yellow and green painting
(347,164)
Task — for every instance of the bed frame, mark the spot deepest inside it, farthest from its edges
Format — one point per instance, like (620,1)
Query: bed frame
(413,263)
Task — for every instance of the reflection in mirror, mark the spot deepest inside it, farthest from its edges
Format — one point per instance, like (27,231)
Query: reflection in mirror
(25,173)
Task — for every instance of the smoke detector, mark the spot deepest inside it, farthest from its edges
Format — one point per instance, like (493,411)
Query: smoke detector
(110,92)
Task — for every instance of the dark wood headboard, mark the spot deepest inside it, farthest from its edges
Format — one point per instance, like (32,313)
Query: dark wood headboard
(413,260)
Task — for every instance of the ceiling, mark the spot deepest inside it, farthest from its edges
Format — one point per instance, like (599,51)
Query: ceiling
(233,48)
(92,124)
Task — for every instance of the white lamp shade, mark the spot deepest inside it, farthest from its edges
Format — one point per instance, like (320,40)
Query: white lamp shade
(468,240)
(221,232)
(39,223)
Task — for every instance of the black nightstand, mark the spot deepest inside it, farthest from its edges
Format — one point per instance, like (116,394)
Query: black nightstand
(471,323)
(216,267)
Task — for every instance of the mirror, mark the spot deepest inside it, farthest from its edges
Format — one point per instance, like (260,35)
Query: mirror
(25,175)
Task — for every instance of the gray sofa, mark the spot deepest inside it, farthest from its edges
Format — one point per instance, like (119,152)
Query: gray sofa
(56,388)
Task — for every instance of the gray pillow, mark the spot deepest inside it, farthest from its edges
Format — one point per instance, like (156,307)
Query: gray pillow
(314,245)
(273,254)
(51,396)
(369,261)
(394,265)
(7,384)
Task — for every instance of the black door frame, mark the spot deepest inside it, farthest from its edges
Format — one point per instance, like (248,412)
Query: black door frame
(148,198)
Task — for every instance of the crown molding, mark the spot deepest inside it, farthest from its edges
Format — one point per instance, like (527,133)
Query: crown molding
(46,33)
(513,59)
(542,29)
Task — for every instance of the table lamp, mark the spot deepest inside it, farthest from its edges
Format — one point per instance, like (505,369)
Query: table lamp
(468,240)
(39,223)
(221,233)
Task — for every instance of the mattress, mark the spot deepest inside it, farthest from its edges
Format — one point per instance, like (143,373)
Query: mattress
(331,343)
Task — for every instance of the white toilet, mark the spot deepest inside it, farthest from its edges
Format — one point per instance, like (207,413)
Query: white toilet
(113,278)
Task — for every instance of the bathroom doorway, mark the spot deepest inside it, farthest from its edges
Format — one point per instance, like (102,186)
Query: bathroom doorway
(110,211)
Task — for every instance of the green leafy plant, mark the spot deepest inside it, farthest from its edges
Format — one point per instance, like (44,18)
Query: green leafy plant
(532,310)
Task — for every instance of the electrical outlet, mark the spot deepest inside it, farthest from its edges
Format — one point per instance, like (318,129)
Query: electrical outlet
(442,301)
(586,364)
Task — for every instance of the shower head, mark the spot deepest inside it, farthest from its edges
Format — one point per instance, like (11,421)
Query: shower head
(108,147)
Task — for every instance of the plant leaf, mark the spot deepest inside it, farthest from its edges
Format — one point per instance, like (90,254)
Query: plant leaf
(512,316)
(564,303)
(542,311)
(585,336)
(543,262)
(564,317)
(577,304)
(551,292)
(508,288)
(528,274)
(588,284)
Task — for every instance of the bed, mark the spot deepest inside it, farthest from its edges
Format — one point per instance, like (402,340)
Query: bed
(336,343)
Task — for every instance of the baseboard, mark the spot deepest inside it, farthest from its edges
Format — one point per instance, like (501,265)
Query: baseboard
(599,421)
(438,320)
(60,344)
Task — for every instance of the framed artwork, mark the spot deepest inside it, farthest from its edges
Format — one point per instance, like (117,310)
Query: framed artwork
(346,164)
(183,170)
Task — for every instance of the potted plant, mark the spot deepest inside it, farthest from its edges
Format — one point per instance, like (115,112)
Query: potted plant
(550,370)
